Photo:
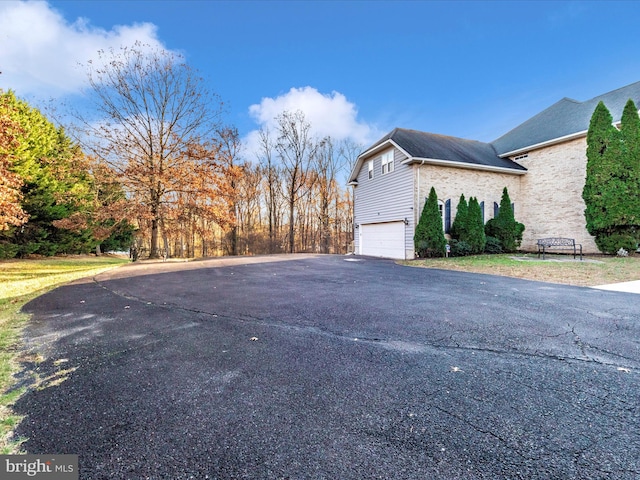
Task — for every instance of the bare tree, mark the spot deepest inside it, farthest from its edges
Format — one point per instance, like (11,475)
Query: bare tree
(155,109)
(326,166)
(295,149)
(230,148)
(272,176)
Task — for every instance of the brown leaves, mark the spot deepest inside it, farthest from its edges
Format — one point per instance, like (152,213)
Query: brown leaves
(11,213)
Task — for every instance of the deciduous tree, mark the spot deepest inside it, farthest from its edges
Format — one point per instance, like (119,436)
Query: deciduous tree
(11,212)
(156,114)
(296,150)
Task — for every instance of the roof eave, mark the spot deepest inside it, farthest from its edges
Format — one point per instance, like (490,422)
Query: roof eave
(553,141)
(547,143)
(468,166)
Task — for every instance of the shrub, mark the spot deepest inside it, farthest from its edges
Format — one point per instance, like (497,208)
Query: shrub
(429,237)
(504,226)
(459,226)
(613,242)
(8,250)
(475,235)
(460,248)
(493,245)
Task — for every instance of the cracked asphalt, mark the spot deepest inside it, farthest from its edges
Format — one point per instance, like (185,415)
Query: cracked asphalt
(332,367)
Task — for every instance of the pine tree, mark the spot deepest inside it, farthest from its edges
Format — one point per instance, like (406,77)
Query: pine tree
(460,220)
(429,236)
(475,235)
(505,227)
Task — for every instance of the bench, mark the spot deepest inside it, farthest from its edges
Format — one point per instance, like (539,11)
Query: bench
(562,243)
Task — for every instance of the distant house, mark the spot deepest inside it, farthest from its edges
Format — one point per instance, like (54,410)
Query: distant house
(542,162)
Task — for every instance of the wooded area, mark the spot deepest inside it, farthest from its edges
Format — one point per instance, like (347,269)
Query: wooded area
(152,166)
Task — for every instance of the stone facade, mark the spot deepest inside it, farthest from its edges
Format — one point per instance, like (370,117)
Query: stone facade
(552,204)
(548,198)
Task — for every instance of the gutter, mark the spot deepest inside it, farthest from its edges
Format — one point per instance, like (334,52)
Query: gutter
(468,166)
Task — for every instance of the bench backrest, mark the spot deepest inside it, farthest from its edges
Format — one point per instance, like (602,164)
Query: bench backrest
(557,242)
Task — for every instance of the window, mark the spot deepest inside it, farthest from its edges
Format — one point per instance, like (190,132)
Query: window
(387,162)
(370,166)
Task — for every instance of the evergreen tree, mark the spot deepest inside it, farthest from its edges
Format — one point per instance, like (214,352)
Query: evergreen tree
(475,235)
(611,185)
(56,185)
(630,135)
(504,227)
(429,238)
(458,229)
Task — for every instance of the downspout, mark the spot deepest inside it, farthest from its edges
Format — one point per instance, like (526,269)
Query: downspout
(416,214)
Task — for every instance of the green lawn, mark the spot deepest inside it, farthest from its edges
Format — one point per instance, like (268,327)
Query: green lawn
(20,282)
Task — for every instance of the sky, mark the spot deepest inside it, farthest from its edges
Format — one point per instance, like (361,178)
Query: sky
(357,69)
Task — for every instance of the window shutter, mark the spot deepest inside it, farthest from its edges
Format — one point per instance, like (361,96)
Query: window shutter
(447,216)
(496,209)
(482,210)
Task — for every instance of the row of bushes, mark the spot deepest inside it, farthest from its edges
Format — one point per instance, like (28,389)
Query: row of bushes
(469,234)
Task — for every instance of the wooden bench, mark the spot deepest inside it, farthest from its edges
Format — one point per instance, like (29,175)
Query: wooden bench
(562,243)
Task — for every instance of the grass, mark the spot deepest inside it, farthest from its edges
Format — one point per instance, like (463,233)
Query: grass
(597,270)
(20,282)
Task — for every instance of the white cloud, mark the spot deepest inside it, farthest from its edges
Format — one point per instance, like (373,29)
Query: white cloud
(329,115)
(41,52)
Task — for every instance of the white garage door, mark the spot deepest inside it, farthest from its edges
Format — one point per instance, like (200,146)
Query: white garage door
(382,240)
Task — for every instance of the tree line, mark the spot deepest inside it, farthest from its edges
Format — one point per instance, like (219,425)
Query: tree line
(151,166)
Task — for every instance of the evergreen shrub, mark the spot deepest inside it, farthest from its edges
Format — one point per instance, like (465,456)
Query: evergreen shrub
(429,238)
(493,245)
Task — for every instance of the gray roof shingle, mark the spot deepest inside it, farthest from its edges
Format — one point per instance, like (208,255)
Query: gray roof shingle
(563,118)
(424,145)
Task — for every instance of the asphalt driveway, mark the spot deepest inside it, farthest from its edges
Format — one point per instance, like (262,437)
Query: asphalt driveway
(333,367)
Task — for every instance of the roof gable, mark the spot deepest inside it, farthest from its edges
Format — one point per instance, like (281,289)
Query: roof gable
(427,147)
(564,118)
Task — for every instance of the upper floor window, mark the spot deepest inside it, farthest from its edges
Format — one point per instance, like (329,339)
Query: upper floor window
(370,167)
(387,162)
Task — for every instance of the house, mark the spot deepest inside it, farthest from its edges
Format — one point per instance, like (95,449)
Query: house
(542,162)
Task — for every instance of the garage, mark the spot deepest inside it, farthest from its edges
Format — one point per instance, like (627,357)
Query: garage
(383,240)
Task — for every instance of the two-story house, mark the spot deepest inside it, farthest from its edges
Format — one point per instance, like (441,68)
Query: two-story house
(542,162)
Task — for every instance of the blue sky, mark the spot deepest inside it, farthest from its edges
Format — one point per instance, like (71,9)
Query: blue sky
(358,69)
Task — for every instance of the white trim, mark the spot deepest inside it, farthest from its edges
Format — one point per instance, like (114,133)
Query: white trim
(470,166)
(387,160)
(553,141)
(383,146)
(360,160)
(547,143)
